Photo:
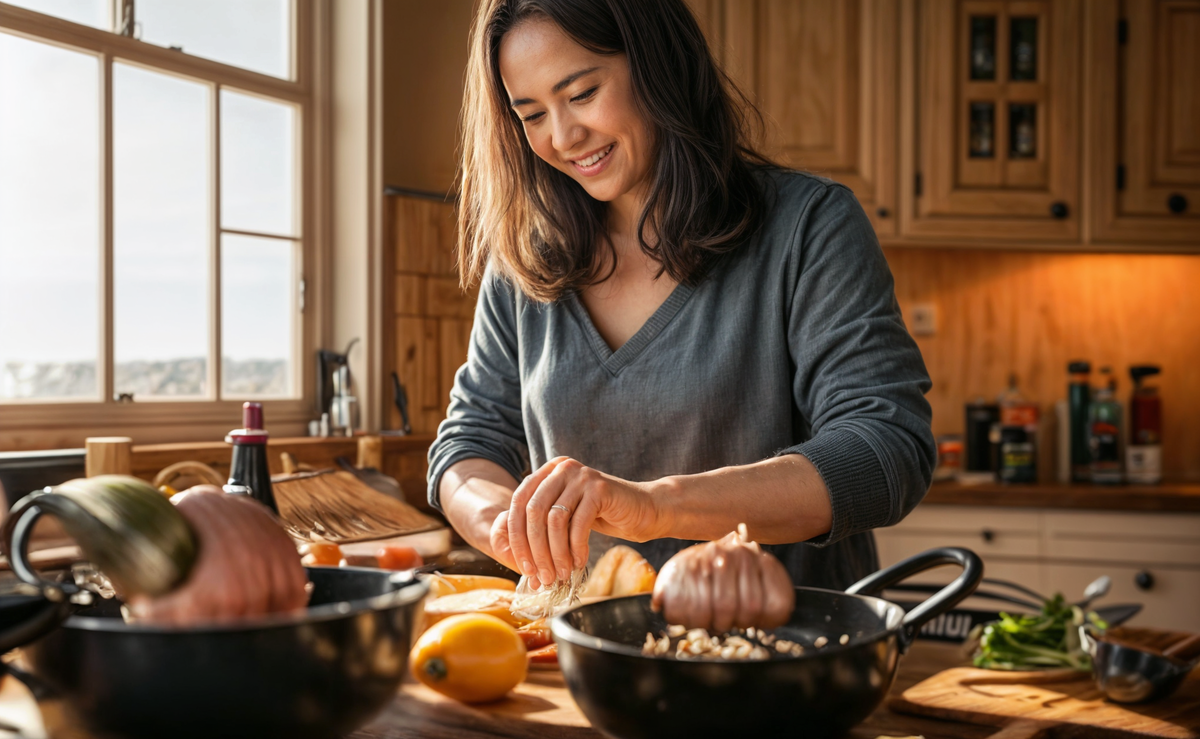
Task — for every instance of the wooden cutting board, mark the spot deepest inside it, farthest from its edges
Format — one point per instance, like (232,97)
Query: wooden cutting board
(1029,704)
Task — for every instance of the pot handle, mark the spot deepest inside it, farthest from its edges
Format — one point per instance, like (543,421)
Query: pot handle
(18,528)
(55,604)
(936,604)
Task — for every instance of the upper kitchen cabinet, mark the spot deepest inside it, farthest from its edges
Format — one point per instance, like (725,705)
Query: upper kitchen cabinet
(824,73)
(1144,83)
(991,117)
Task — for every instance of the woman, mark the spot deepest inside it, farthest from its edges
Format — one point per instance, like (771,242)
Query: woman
(674,336)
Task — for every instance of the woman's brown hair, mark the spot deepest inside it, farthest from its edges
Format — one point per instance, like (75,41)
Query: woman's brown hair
(537,225)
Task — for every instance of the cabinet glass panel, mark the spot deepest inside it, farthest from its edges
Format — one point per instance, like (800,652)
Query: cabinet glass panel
(983,126)
(1022,131)
(1024,62)
(983,47)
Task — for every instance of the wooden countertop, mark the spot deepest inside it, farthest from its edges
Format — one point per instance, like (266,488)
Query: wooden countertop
(1167,497)
(542,707)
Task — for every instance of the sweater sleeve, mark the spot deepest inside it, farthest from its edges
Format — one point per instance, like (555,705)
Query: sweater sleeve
(484,418)
(860,381)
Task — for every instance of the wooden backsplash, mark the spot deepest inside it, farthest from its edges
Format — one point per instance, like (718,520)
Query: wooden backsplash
(997,312)
(1032,312)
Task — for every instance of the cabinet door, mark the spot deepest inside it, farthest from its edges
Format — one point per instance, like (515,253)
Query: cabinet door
(996,120)
(1146,141)
(1170,597)
(824,75)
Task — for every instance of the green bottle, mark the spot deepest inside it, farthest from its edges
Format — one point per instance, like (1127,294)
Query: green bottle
(1104,432)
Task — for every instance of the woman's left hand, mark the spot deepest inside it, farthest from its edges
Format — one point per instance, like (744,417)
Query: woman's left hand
(554,509)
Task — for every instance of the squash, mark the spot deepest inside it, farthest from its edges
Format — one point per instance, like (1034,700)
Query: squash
(123,525)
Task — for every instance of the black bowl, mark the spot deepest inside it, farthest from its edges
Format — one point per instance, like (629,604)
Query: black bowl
(821,693)
(320,673)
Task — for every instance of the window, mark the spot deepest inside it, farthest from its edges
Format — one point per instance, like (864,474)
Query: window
(152,205)
(153,208)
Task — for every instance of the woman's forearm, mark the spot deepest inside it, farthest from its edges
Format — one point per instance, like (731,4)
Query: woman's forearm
(781,500)
(473,493)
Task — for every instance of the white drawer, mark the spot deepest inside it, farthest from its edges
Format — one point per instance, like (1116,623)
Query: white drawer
(1130,551)
(969,518)
(1171,602)
(1124,525)
(893,548)
(985,541)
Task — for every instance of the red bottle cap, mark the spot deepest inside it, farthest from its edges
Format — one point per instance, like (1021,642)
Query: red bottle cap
(252,422)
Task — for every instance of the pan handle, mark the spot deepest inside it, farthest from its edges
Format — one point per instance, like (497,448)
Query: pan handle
(18,528)
(54,606)
(939,602)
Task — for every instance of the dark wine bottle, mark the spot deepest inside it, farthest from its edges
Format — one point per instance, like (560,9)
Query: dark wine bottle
(249,473)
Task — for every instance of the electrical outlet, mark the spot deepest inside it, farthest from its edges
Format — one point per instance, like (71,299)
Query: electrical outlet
(923,319)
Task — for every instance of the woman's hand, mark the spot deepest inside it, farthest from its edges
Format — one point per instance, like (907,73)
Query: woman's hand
(247,564)
(554,509)
(724,584)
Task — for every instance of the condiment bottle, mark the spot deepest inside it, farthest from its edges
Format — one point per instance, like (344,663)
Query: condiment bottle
(1018,436)
(1104,432)
(1143,456)
(249,473)
(979,449)
(1079,392)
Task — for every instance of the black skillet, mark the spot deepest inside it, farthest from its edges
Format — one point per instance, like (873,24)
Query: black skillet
(821,693)
(316,674)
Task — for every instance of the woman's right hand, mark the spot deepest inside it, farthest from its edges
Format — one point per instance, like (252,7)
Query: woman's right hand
(724,584)
(475,495)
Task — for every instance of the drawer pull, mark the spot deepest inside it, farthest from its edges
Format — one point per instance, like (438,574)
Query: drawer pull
(988,535)
(1144,580)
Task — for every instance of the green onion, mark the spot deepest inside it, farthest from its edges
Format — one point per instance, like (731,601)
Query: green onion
(1036,641)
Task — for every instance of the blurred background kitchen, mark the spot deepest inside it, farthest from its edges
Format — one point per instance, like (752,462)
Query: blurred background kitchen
(203,203)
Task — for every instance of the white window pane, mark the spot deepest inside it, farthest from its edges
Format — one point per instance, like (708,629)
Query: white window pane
(252,34)
(49,221)
(162,227)
(258,311)
(258,168)
(92,13)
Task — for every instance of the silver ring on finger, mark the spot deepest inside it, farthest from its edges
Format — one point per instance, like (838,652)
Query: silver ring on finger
(563,507)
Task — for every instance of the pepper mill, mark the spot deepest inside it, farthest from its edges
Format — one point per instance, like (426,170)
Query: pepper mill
(249,473)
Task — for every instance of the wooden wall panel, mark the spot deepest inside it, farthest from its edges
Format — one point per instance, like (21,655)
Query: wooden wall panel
(432,315)
(1031,313)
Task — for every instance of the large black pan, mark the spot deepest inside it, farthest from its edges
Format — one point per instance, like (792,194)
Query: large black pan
(819,694)
(317,674)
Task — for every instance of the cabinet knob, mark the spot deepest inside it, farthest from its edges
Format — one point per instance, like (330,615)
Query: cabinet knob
(1059,210)
(882,212)
(1144,580)
(1177,203)
(988,535)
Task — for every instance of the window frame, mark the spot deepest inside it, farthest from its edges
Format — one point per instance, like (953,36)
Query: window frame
(36,422)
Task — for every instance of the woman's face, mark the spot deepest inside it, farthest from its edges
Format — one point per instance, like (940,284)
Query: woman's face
(577,108)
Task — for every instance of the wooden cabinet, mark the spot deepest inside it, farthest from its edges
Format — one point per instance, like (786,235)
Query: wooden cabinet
(824,73)
(992,119)
(1153,558)
(1145,87)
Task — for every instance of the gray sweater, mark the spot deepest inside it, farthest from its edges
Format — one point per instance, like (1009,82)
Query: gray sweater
(793,344)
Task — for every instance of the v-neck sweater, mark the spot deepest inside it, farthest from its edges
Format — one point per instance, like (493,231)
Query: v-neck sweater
(792,344)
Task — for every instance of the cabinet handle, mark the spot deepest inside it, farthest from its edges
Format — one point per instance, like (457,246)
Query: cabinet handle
(1177,203)
(882,212)
(1144,580)
(1059,210)
(988,535)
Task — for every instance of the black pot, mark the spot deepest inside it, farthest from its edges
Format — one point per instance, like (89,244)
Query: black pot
(821,693)
(321,673)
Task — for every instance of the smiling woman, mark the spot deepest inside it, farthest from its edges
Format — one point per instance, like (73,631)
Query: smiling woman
(673,336)
(545,100)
